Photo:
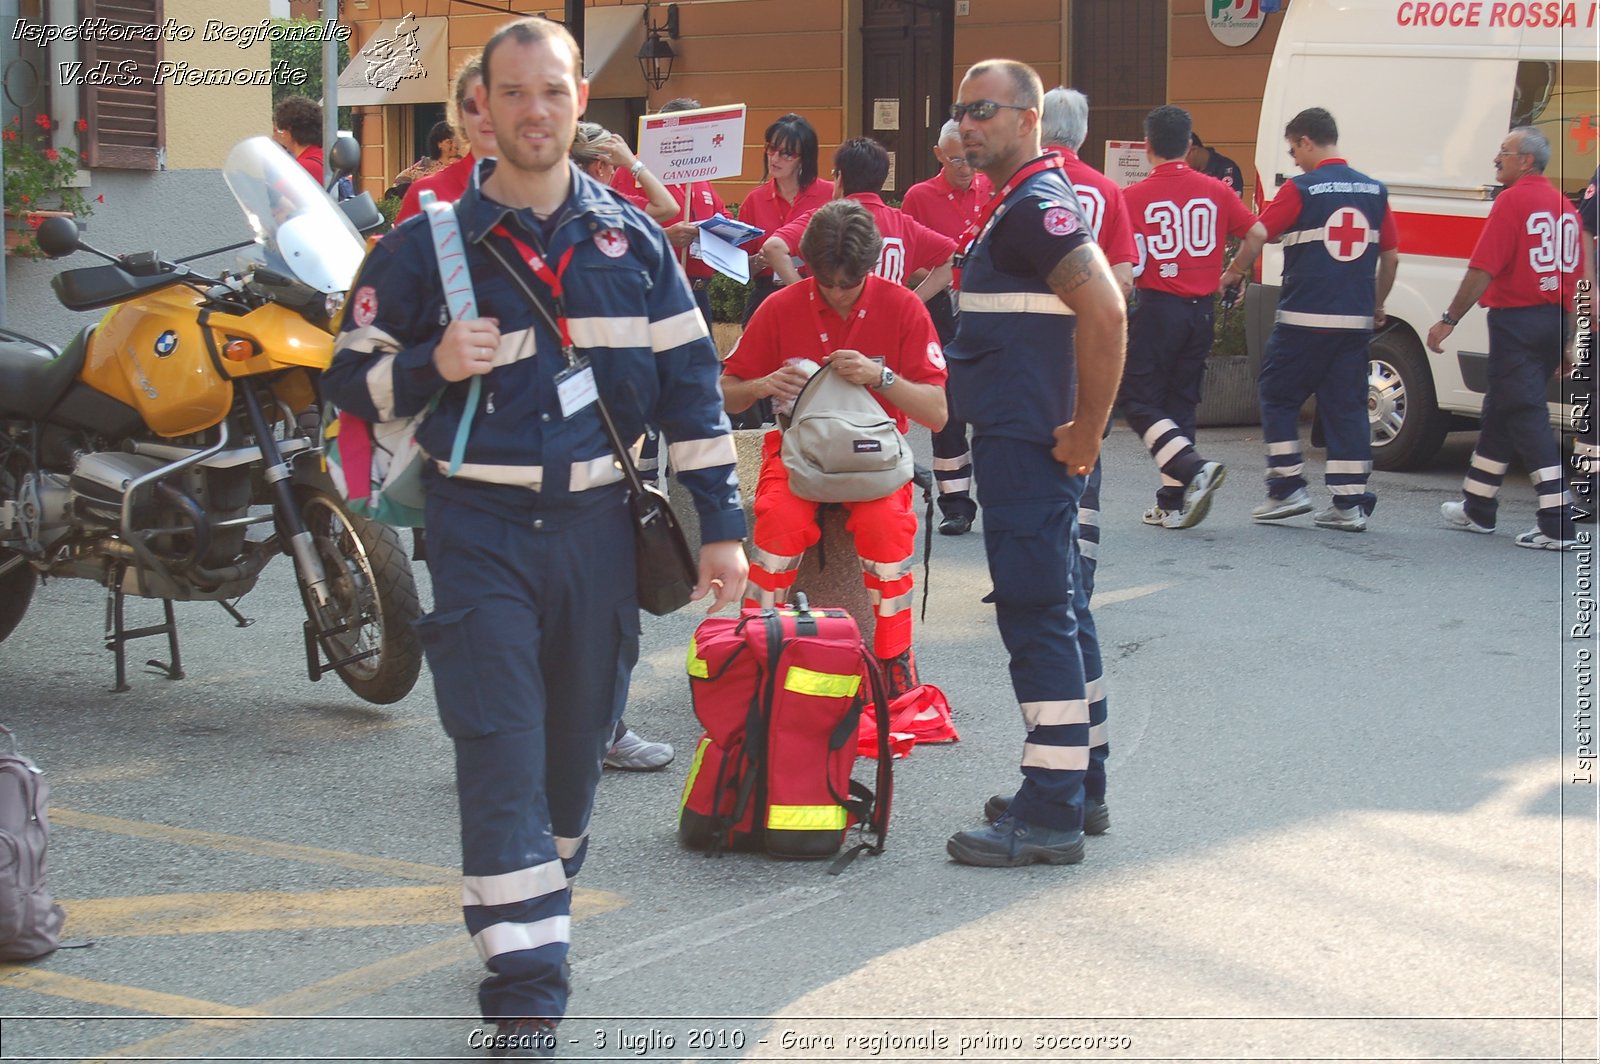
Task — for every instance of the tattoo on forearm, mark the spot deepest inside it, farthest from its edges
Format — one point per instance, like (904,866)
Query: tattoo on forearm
(1074,271)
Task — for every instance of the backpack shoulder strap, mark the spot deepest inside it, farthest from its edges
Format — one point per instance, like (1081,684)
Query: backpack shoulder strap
(456,278)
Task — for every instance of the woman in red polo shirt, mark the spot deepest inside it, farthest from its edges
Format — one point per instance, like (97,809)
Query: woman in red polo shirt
(790,189)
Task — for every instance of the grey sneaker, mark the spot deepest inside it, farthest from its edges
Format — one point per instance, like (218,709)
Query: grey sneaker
(1279,509)
(1012,843)
(1537,540)
(634,754)
(1351,520)
(1096,816)
(1455,515)
(1157,516)
(1197,495)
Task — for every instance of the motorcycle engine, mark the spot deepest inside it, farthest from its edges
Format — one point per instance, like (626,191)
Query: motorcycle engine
(41,515)
(98,483)
(183,507)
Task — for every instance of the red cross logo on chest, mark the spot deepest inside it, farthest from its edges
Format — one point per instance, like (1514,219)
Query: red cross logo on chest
(1347,231)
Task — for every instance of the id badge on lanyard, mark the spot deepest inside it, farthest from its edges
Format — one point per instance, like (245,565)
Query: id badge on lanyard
(576,388)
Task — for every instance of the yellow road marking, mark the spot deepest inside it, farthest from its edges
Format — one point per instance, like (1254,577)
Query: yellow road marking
(275,910)
(1111,598)
(114,995)
(212,840)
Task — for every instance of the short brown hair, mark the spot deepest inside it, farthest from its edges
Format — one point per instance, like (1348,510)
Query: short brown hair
(841,238)
(531,30)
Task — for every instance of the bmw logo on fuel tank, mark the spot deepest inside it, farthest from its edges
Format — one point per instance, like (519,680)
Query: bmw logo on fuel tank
(166,343)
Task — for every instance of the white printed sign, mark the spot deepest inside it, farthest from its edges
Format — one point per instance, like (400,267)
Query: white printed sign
(702,145)
(1126,162)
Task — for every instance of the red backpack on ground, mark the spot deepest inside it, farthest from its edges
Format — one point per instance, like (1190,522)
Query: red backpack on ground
(780,693)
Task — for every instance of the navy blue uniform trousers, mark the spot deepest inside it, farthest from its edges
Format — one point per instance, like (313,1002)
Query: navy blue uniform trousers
(1525,345)
(1041,601)
(533,636)
(1332,365)
(1168,342)
(952,457)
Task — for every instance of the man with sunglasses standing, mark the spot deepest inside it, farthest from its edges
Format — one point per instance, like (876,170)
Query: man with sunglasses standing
(1034,368)
(1525,270)
(947,203)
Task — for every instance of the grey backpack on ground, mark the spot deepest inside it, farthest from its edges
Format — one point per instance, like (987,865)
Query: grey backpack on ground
(30,920)
(840,445)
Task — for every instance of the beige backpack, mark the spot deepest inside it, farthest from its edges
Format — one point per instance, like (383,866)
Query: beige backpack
(840,445)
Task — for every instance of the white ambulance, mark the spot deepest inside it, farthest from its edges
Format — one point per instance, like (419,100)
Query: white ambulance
(1423,93)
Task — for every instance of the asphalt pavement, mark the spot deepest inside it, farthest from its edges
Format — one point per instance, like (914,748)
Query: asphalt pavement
(1344,826)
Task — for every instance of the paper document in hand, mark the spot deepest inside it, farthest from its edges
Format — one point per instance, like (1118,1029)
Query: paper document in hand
(723,256)
(734,232)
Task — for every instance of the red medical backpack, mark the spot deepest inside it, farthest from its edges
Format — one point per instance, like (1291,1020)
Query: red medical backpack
(780,693)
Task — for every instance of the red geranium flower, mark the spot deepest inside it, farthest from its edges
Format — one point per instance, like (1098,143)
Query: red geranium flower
(10,135)
(43,122)
(100,198)
(52,154)
(25,199)
(34,221)
(83,125)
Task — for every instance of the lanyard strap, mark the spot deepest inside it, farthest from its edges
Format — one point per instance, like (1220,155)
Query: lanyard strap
(1038,166)
(856,314)
(536,262)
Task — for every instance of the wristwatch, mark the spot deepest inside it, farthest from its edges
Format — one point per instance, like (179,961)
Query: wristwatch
(885,380)
(636,169)
(1448,320)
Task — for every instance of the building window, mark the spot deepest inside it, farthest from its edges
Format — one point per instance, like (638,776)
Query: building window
(127,126)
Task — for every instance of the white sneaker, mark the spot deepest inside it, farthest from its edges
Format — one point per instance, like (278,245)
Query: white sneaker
(1537,540)
(1455,515)
(1351,520)
(1157,516)
(634,754)
(1197,495)
(1278,509)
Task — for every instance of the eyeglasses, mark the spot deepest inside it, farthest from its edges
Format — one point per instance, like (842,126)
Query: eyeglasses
(779,153)
(1498,154)
(469,106)
(839,284)
(981,110)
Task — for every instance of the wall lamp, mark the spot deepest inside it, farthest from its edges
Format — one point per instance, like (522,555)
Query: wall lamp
(655,54)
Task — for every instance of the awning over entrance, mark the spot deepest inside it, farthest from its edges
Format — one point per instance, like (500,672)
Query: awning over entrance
(406,61)
(612,36)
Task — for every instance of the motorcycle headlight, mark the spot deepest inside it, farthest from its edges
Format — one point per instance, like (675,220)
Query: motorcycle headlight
(334,305)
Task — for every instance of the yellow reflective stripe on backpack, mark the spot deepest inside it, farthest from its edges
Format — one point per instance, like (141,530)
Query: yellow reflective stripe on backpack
(822,684)
(805,818)
(694,770)
(697,665)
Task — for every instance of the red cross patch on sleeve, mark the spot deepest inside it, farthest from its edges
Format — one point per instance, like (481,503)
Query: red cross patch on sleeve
(364,306)
(1058,221)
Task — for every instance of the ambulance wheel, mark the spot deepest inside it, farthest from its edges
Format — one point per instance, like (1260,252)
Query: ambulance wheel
(1402,409)
(373,595)
(16,591)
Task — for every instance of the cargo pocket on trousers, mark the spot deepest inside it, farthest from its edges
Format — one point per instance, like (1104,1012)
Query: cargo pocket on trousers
(447,641)
(1030,551)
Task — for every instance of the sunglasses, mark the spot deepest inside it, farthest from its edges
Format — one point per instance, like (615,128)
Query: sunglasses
(981,110)
(469,106)
(841,284)
(779,153)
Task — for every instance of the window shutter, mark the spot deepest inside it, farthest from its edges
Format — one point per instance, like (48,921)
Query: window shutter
(127,124)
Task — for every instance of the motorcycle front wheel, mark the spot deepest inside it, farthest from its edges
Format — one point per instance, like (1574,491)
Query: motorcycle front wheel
(373,594)
(16,591)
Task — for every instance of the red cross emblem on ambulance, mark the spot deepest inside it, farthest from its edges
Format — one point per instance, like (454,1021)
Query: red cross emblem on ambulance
(1347,234)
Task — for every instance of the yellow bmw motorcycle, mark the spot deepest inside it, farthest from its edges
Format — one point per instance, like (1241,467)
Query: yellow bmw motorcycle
(174,447)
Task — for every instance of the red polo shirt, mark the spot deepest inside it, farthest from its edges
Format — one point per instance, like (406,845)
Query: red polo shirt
(448,184)
(1531,246)
(908,245)
(1103,203)
(1180,217)
(703,203)
(942,207)
(311,159)
(887,322)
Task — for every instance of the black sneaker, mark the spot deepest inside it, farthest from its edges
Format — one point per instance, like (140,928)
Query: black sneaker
(900,673)
(955,525)
(1096,817)
(1012,843)
(523,1039)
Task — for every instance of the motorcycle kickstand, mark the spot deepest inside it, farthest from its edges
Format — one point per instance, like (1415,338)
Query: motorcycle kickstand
(118,635)
(239,619)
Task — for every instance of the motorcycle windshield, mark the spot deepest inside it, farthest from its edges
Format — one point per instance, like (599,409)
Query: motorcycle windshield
(302,231)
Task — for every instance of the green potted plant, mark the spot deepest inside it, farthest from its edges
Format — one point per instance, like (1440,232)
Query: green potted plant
(39,182)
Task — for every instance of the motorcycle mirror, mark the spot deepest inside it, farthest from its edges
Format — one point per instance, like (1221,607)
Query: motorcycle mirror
(57,236)
(345,156)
